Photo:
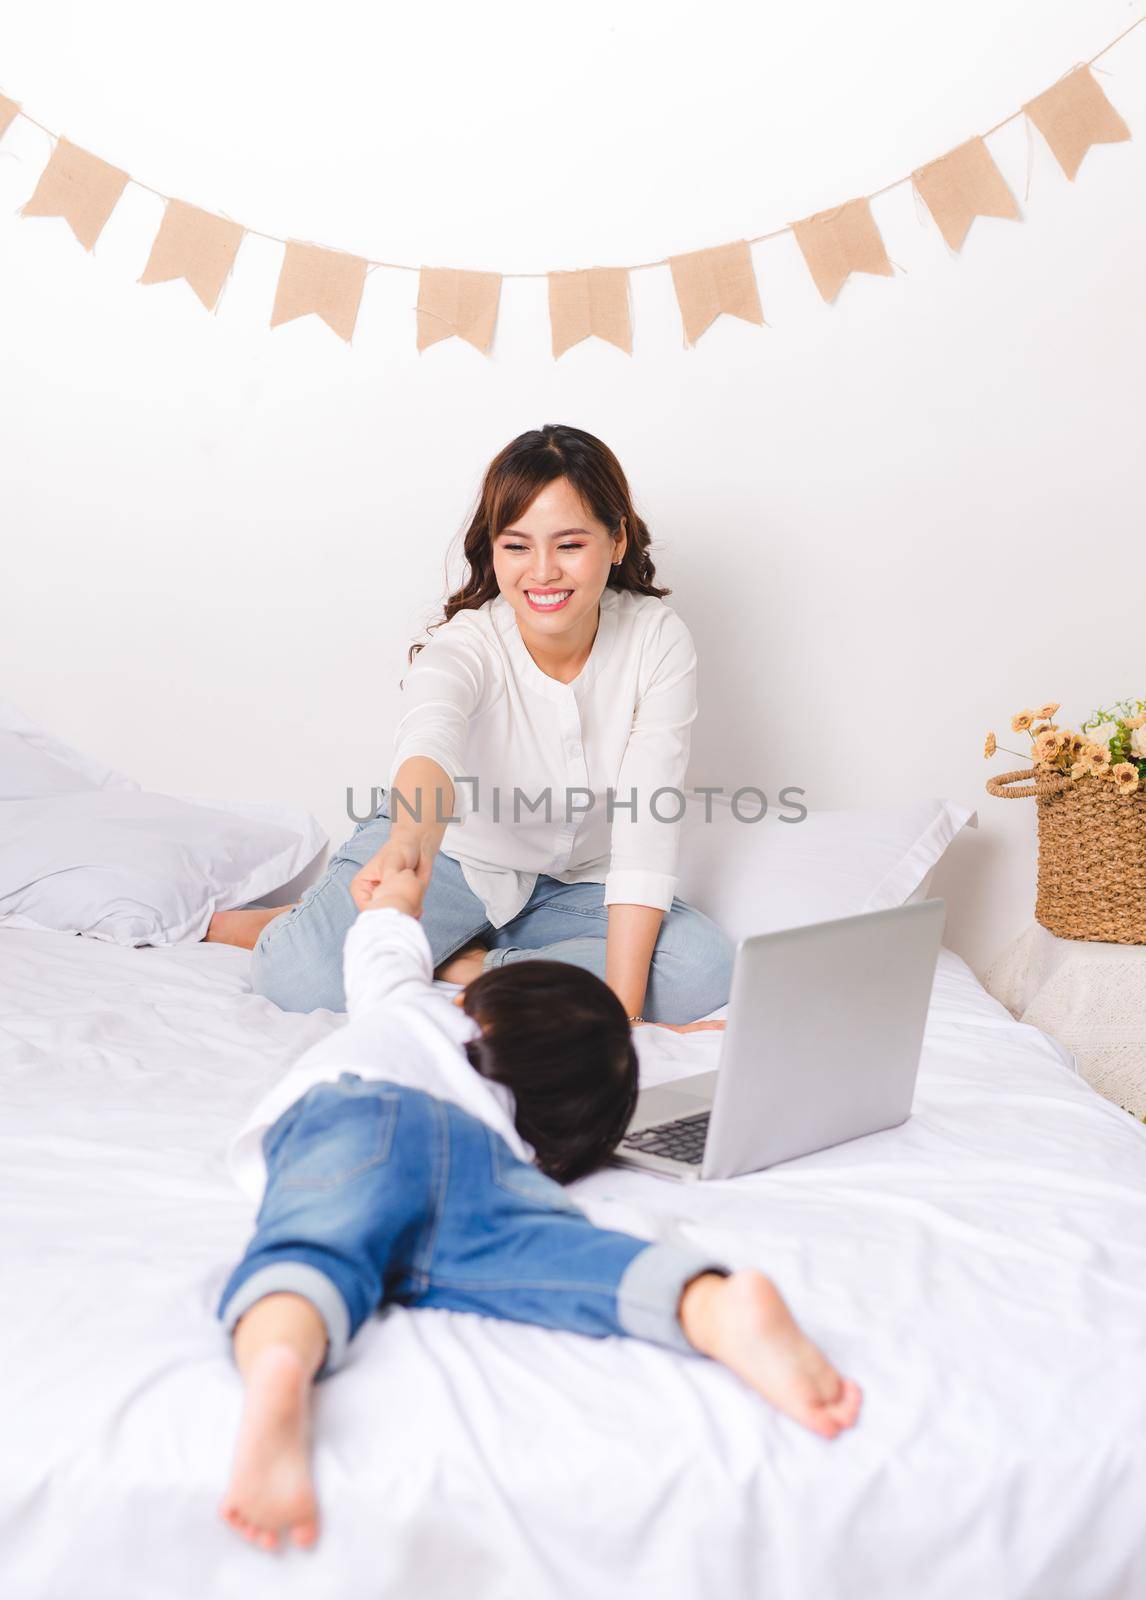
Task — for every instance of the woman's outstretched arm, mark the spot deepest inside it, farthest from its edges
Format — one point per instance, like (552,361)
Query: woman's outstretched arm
(428,791)
(439,696)
(421,801)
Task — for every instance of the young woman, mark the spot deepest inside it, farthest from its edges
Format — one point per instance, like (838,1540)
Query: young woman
(563,689)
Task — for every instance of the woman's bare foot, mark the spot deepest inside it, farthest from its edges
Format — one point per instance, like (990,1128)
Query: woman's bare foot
(271,1491)
(742,1322)
(241,928)
(463,964)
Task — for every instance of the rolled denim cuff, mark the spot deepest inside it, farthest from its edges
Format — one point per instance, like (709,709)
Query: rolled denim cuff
(296,1277)
(648,1295)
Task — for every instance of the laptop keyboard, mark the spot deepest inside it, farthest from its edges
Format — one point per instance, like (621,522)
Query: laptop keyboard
(682,1140)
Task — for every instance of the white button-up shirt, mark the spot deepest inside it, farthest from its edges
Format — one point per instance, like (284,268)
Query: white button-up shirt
(475,701)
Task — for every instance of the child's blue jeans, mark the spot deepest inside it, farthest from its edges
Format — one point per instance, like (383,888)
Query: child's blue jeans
(379,1193)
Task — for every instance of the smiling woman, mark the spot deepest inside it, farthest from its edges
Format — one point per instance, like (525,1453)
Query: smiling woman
(558,573)
(554,708)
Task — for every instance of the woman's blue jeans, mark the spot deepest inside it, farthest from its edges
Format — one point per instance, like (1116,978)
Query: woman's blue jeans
(378,1193)
(297,960)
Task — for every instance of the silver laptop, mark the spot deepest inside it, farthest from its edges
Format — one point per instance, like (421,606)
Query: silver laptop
(821,1044)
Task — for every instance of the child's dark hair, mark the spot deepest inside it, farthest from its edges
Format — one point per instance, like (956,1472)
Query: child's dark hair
(558,1037)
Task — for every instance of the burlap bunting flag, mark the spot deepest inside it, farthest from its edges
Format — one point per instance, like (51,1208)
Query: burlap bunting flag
(201,247)
(78,187)
(195,245)
(962,185)
(328,283)
(709,282)
(454,302)
(839,242)
(1073,115)
(595,301)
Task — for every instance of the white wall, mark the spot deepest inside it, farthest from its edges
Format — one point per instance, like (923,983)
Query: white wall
(889,522)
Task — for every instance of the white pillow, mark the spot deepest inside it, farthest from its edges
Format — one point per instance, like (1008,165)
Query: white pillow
(756,877)
(34,762)
(84,849)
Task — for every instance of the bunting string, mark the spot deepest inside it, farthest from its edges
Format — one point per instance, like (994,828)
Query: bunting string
(201,247)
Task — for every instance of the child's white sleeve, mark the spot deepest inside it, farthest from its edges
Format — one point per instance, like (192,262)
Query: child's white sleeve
(386,955)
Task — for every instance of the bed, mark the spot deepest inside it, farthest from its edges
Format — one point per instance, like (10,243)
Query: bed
(980,1270)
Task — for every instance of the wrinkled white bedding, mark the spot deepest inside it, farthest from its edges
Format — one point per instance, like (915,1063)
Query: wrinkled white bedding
(981,1271)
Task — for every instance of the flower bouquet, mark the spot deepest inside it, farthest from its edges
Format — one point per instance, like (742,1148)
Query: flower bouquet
(1090,785)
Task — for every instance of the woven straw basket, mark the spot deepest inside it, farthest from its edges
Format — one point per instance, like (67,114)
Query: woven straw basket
(1092,854)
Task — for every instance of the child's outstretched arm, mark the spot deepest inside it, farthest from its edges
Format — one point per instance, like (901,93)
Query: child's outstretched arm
(384,957)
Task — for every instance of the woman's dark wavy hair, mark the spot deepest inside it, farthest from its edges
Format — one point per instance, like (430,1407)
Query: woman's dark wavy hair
(558,1037)
(512,482)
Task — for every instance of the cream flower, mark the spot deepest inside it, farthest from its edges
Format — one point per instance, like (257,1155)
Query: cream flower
(1020,723)
(1047,745)
(1104,732)
(1048,710)
(989,746)
(1099,755)
(1138,741)
(1135,722)
(1081,769)
(1125,775)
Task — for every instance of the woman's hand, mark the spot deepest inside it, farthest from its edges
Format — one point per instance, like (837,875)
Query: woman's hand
(680,1027)
(397,856)
(399,889)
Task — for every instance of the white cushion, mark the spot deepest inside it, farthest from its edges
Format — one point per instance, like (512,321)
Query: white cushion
(83,849)
(756,877)
(34,762)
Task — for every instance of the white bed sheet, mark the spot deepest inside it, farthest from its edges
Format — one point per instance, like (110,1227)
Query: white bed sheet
(981,1271)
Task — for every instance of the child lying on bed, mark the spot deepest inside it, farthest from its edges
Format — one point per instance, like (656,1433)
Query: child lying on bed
(416,1157)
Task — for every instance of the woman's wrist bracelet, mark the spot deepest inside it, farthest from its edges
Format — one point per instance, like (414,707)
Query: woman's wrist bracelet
(636,1019)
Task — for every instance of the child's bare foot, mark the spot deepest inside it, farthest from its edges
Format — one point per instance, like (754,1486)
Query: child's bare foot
(742,1322)
(463,964)
(241,928)
(270,1491)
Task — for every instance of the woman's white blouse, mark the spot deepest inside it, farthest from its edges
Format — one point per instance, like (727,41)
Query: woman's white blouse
(476,702)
